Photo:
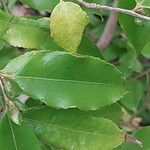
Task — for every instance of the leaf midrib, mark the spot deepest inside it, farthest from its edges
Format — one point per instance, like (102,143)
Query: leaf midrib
(61,80)
(12,131)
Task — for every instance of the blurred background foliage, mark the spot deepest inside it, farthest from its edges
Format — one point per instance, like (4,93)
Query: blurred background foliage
(122,51)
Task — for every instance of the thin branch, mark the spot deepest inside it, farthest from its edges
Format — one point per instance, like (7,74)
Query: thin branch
(143,74)
(114,9)
(107,35)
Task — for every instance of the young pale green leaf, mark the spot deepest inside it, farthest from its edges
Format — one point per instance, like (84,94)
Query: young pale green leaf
(64,80)
(134,28)
(67,23)
(70,129)
(14,137)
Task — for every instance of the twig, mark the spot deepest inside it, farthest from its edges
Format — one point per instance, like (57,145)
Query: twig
(114,9)
(107,34)
(143,74)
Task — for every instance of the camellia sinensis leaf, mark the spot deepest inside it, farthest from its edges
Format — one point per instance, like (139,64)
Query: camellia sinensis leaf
(70,129)
(63,80)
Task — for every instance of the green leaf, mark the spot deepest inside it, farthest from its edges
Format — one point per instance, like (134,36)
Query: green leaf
(64,80)
(142,135)
(32,103)
(132,99)
(41,5)
(143,3)
(129,62)
(112,112)
(134,29)
(26,33)
(74,130)
(14,137)
(68,20)
(146,51)
(87,47)
(47,147)
(35,34)
(6,54)
(2,44)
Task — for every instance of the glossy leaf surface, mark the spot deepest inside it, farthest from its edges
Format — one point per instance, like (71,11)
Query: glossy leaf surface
(69,129)
(63,80)
(14,137)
